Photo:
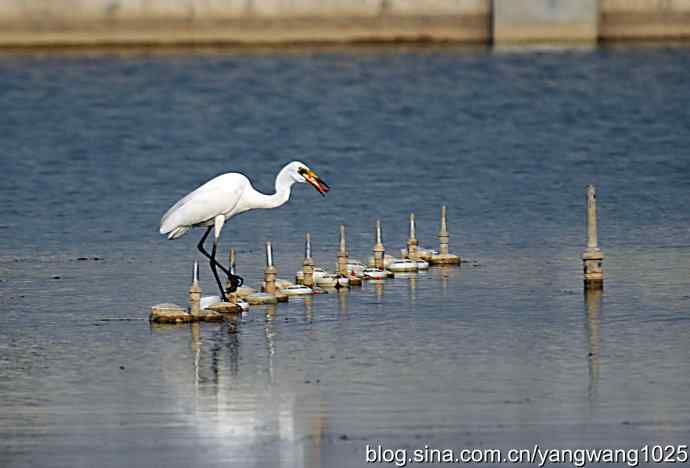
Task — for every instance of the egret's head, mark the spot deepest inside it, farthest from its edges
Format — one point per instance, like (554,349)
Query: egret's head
(301,173)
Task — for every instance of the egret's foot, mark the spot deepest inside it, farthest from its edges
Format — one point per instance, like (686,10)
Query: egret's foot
(235,282)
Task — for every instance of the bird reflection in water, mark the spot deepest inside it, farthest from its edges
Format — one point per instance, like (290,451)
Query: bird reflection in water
(289,411)
(593,300)
(226,341)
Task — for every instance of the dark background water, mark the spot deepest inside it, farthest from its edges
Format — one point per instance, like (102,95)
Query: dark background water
(504,352)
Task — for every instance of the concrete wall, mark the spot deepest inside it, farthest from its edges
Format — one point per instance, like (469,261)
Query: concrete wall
(199,22)
(545,20)
(645,19)
(644,6)
(80,10)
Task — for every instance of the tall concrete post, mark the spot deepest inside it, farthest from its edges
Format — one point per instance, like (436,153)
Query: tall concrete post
(308,266)
(592,257)
(342,253)
(195,292)
(270,272)
(443,257)
(412,241)
(443,233)
(379,250)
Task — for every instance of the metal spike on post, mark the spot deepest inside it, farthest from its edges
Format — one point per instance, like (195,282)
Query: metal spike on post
(307,245)
(342,253)
(308,265)
(379,250)
(412,241)
(270,272)
(269,254)
(195,292)
(232,262)
(592,257)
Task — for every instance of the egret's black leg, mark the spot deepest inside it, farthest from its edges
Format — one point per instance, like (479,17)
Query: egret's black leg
(214,264)
(200,246)
(234,280)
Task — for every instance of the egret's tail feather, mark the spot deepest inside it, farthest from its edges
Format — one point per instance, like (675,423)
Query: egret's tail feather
(178,232)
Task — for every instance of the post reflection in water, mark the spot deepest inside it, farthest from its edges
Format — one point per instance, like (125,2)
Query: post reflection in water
(270,345)
(413,288)
(378,289)
(593,300)
(308,308)
(224,344)
(196,351)
(411,282)
(445,272)
(342,302)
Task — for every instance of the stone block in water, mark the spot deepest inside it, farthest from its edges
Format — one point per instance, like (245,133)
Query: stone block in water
(224,308)
(170,313)
(445,259)
(173,313)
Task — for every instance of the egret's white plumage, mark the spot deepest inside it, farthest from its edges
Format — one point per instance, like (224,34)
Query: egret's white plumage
(224,197)
(229,195)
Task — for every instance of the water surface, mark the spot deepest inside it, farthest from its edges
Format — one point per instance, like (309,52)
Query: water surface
(503,352)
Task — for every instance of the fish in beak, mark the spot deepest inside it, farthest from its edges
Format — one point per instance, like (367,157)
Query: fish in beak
(319,185)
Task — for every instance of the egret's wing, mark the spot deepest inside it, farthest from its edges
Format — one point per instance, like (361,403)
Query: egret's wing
(217,196)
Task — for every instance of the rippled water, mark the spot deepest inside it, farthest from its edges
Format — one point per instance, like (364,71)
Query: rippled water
(503,352)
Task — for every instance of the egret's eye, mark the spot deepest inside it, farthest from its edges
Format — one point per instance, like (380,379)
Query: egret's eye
(302,170)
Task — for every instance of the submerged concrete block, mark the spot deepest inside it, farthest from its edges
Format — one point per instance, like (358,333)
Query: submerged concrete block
(169,313)
(172,313)
(545,20)
(445,259)
(224,308)
(261,298)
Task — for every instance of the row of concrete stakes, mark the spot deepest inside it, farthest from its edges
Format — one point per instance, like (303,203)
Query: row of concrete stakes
(349,273)
(311,279)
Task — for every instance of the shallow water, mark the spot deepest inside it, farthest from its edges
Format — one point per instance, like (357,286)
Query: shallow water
(504,352)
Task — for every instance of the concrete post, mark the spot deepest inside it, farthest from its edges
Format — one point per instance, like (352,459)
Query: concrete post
(342,253)
(195,293)
(444,257)
(379,250)
(592,257)
(270,272)
(412,241)
(443,233)
(308,266)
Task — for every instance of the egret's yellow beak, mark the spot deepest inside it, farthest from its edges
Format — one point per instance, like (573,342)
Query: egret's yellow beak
(313,179)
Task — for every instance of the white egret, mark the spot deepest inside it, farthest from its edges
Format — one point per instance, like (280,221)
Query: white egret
(225,196)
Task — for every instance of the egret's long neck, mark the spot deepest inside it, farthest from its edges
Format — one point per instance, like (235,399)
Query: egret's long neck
(283,184)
